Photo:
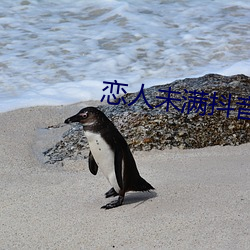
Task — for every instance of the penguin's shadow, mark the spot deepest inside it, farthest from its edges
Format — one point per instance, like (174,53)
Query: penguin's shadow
(137,198)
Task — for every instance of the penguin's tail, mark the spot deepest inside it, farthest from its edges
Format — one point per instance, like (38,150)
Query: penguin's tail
(141,185)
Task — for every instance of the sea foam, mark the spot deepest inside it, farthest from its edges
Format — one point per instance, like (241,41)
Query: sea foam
(55,53)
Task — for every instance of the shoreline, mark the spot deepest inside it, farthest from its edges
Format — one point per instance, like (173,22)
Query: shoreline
(201,198)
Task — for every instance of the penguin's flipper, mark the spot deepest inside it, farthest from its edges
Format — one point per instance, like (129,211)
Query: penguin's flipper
(93,167)
(118,166)
(111,193)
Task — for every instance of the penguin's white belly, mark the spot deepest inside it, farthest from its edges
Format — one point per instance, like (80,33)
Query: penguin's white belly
(104,157)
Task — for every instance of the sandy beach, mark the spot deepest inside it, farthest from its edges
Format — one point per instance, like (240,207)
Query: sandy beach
(201,198)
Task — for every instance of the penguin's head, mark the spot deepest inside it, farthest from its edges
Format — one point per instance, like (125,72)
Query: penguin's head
(88,117)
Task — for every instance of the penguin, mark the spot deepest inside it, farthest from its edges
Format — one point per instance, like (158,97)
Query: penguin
(110,152)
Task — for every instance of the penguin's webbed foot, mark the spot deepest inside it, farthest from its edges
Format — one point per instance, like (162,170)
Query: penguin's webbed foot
(113,204)
(111,193)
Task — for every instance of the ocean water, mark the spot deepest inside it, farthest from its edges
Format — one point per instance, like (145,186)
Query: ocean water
(60,52)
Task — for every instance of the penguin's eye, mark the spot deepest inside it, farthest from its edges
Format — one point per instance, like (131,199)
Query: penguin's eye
(84,115)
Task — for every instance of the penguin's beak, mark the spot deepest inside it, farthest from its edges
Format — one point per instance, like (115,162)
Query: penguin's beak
(74,118)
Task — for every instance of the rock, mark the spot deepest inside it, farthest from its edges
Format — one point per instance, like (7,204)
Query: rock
(145,128)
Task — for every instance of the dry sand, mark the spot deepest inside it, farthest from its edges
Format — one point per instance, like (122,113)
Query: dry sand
(201,201)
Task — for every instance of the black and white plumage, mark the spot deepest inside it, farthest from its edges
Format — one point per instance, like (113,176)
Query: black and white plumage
(110,152)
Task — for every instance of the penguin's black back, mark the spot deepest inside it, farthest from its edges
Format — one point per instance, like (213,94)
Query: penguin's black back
(132,180)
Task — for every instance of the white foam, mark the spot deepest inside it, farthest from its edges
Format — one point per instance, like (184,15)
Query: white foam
(60,52)
(242,67)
